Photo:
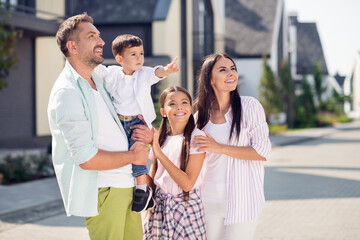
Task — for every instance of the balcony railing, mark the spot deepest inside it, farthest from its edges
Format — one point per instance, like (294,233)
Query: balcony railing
(28,10)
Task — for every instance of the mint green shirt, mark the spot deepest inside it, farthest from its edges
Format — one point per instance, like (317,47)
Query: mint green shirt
(73,123)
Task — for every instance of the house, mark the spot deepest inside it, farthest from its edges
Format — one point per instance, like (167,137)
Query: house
(255,28)
(352,89)
(305,52)
(23,103)
(169,28)
(340,81)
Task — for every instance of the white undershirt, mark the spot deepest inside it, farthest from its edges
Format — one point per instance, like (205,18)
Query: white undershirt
(214,185)
(124,99)
(110,138)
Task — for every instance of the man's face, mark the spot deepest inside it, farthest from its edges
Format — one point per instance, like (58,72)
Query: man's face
(90,45)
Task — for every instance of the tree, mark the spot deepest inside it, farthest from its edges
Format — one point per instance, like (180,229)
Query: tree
(8,56)
(269,92)
(319,84)
(287,93)
(306,110)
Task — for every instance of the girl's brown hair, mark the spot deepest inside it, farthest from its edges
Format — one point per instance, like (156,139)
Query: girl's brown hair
(165,130)
(206,96)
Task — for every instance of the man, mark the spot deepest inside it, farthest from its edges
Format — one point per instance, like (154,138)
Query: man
(90,149)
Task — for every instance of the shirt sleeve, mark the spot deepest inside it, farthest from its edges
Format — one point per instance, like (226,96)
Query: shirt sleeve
(74,125)
(110,76)
(152,78)
(196,132)
(258,128)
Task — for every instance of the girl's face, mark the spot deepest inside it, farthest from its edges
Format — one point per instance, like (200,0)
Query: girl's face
(224,76)
(177,108)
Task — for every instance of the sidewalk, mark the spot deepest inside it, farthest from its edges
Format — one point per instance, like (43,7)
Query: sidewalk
(40,199)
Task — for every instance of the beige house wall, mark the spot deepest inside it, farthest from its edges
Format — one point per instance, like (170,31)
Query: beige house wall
(189,43)
(49,62)
(219,25)
(167,40)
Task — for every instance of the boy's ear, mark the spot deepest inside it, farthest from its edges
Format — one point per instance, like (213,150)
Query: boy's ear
(119,59)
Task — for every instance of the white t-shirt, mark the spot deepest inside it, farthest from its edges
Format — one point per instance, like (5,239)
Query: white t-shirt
(214,186)
(125,101)
(110,139)
(172,149)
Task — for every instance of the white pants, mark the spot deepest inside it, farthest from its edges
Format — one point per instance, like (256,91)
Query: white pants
(216,230)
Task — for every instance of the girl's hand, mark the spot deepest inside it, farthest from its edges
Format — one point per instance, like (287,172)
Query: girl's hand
(155,144)
(207,144)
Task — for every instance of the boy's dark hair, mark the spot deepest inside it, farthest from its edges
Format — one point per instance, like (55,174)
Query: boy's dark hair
(68,31)
(125,41)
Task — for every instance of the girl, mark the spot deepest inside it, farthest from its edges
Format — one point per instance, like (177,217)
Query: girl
(176,166)
(238,142)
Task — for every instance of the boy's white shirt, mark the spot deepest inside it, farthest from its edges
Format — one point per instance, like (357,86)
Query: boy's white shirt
(143,80)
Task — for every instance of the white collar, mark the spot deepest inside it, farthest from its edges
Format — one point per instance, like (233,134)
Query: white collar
(73,71)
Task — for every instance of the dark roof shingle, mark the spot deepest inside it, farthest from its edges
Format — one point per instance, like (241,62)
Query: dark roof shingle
(117,11)
(249,26)
(309,49)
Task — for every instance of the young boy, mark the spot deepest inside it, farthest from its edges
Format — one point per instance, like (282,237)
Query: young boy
(130,90)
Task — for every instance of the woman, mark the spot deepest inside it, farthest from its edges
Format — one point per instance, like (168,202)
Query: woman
(238,142)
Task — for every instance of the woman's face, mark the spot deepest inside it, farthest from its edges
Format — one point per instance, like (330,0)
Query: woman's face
(224,76)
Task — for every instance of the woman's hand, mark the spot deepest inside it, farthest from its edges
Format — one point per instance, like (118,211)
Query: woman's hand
(207,144)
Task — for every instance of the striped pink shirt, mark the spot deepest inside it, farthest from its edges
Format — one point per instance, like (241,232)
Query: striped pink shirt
(245,178)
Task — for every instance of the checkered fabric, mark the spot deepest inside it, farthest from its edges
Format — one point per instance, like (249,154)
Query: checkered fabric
(173,218)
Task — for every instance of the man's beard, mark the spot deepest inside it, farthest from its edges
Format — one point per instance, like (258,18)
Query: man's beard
(91,60)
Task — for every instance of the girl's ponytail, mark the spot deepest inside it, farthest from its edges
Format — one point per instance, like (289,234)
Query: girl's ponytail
(185,149)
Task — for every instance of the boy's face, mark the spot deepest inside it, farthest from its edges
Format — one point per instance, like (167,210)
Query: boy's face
(132,59)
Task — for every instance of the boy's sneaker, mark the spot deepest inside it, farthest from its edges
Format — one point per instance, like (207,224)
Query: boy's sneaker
(141,200)
(151,204)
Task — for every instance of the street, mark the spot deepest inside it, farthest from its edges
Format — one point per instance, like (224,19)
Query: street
(312,190)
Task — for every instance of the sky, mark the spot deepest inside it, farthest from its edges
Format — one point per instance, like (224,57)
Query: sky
(338,24)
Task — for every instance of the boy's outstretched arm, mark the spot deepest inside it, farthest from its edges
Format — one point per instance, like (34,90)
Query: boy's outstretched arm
(168,69)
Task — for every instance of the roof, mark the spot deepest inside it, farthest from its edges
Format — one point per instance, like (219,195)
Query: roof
(123,11)
(309,49)
(249,26)
(30,24)
(340,79)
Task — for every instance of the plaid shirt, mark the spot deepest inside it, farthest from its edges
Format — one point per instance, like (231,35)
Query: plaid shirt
(173,218)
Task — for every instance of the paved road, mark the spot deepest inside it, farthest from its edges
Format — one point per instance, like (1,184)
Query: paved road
(313,189)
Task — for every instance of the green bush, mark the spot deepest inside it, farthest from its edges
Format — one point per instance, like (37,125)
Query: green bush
(277,129)
(21,168)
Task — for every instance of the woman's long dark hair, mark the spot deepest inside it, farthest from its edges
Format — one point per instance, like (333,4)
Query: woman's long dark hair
(206,96)
(165,130)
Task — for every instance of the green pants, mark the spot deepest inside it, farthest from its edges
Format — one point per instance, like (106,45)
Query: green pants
(115,221)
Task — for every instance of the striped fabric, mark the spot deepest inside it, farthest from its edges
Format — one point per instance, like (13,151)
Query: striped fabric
(173,218)
(245,178)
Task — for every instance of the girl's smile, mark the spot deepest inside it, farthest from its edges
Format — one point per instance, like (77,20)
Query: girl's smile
(177,108)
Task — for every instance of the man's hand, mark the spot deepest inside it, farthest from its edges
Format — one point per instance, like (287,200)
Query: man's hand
(142,133)
(141,153)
